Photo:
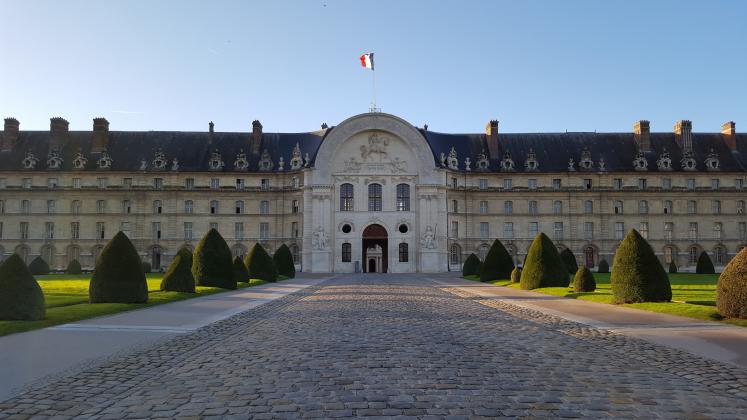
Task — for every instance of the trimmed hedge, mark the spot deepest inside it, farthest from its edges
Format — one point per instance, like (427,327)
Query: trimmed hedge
(212,264)
(240,273)
(569,260)
(672,267)
(604,267)
(469,268)
(118,276)
(731,290)
(584,281)
(637,275)
(544,267)
(260,265)
(284,261)
(38,266)
(146,267)
(178,277)
(498,263)
(21,298)
(705,265)
(74,267)
(516,275)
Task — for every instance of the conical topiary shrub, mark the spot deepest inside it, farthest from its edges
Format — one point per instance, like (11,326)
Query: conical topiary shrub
(21,298)
(260,265)
(704,266)
(240,273)
(569,260)
(118,276)
(212,264)
(543,267)
(604,267)
(469,268)
(584,281)
(731,291)
(498,263)
(672,267)
(38,266)
(73,267)
(284,261)
(178,277)
(637,275)
(516,275)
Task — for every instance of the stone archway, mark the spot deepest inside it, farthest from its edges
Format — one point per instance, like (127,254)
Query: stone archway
(376,238)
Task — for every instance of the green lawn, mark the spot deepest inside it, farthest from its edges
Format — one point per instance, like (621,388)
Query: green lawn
(66,298)
(693,295)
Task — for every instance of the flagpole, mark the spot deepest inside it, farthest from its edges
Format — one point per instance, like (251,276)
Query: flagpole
(373,78)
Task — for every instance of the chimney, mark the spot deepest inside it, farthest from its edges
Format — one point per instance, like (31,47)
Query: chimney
(256,142)
(10,135)
(729,133)
(100,135)
(491,133)
(58,129)
(683,131)
(642,135)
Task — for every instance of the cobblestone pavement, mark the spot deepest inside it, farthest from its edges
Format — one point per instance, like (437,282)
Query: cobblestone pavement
(386,346)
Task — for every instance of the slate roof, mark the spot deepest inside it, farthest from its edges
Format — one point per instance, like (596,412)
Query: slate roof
(193,149)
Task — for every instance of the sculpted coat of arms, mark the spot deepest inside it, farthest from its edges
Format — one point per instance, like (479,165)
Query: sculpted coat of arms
(376,146)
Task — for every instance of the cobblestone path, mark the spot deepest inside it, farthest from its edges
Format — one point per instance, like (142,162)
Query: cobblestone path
(387,346)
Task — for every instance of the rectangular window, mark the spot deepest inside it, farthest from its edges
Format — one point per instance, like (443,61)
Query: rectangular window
(404,253)
(1,230)
(103,183)
(52,183)
(100,230)
(24,230)
(484,230)
(642,183)
(49,230)
(532,184)
(717,229)
(532,207)
(76,183)
(158,183)
(127,183)
(508,184)
(483,207)
(187,231)
(693,231)
(100,206)
(215,183)
(347,252)
(239,207)
(403,197)
(587,183)
(619,230)
(189,183)
(508,230)
(50,206)
(264,207)
(716,206)
(483,184)
(588,207)
(238,230)
(75,207)
(742,231)
(666,183)
(668,231)
(264,230)
(588,230)
(2,207)
(374,197)
(454,183)
(25,206)
(533,229)
(3,183)
(454,229)
(75,230)
(455,206)
(644,230)
(692,207)
(27,183)
(558,230)
(617,183)
(738,183)
(294,206)
(156,229)
(691,183)
(508,207)
(265,184)
(126,206)
(214,225)
(556,183)
(715,183)
(240,183)
(294,229)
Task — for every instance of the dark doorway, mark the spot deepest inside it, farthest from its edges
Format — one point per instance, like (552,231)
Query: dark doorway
(589,256)
(155,259)
(375,235)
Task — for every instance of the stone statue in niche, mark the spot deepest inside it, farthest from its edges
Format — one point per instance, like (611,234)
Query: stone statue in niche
(306,160)
(467,164)
(281,163)
(319,238)
(429,238)
(443,159)
(376,146)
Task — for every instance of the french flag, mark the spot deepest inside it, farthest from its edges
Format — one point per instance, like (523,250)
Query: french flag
(367,61)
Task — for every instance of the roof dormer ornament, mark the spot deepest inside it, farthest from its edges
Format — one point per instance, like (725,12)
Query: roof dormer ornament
(586,162)
(602,164)
(531,163)
(571,164)
(507,164)
(688,161)
(483,164)
(467,164)
(105,161)
(159,161)
(281,164)
(712,162)
(664,163)
(296,162)
(241,164)
(216,161)
(175,164)
(306,160)
(30,161)
(54,161)
(265,161)
(453,160)
(640,163)
(80,161)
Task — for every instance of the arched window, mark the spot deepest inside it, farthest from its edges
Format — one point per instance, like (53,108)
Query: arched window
(455,254)
(588,207)
(643,207)
(157,207)
(669,254)
(347,252)
(214,207)
(693,255)
(403,197)
(189,206)
(239,207)
(404,254)
(346,197)
(374,197)
(482,251)
(73,253)
(238,250)
(557,207)
(47,254)
(589,256)
(618,207)
(264,207)
(719,255)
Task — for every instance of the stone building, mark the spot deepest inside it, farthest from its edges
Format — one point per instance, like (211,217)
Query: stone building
(373,193)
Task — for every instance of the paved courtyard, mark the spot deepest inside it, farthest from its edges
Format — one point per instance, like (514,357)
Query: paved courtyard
(390,345)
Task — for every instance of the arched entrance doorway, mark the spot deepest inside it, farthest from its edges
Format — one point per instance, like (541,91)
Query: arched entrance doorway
(375,240)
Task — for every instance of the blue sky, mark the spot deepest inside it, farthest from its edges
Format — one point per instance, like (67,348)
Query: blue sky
(534,65)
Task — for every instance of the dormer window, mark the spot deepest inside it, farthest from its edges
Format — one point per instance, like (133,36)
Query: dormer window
(29,162)
(664,163)
(452,160)
(241,163)
(531,164)
(640,163)
(265,161)
(54,161)
(688,162)
(79,162)
(296,162)
(712,162)
(104,162)
(216,162)
(507,164)
(482,161)
(585,162)
(159,161)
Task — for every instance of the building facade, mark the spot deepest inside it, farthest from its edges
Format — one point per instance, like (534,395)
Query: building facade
(372,194)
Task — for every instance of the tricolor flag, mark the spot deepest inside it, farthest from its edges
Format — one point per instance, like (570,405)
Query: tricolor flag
(367,61)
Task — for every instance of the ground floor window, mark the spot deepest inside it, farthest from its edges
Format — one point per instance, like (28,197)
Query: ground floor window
(347,252)
(455,254)
(404,255)
(693,255)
